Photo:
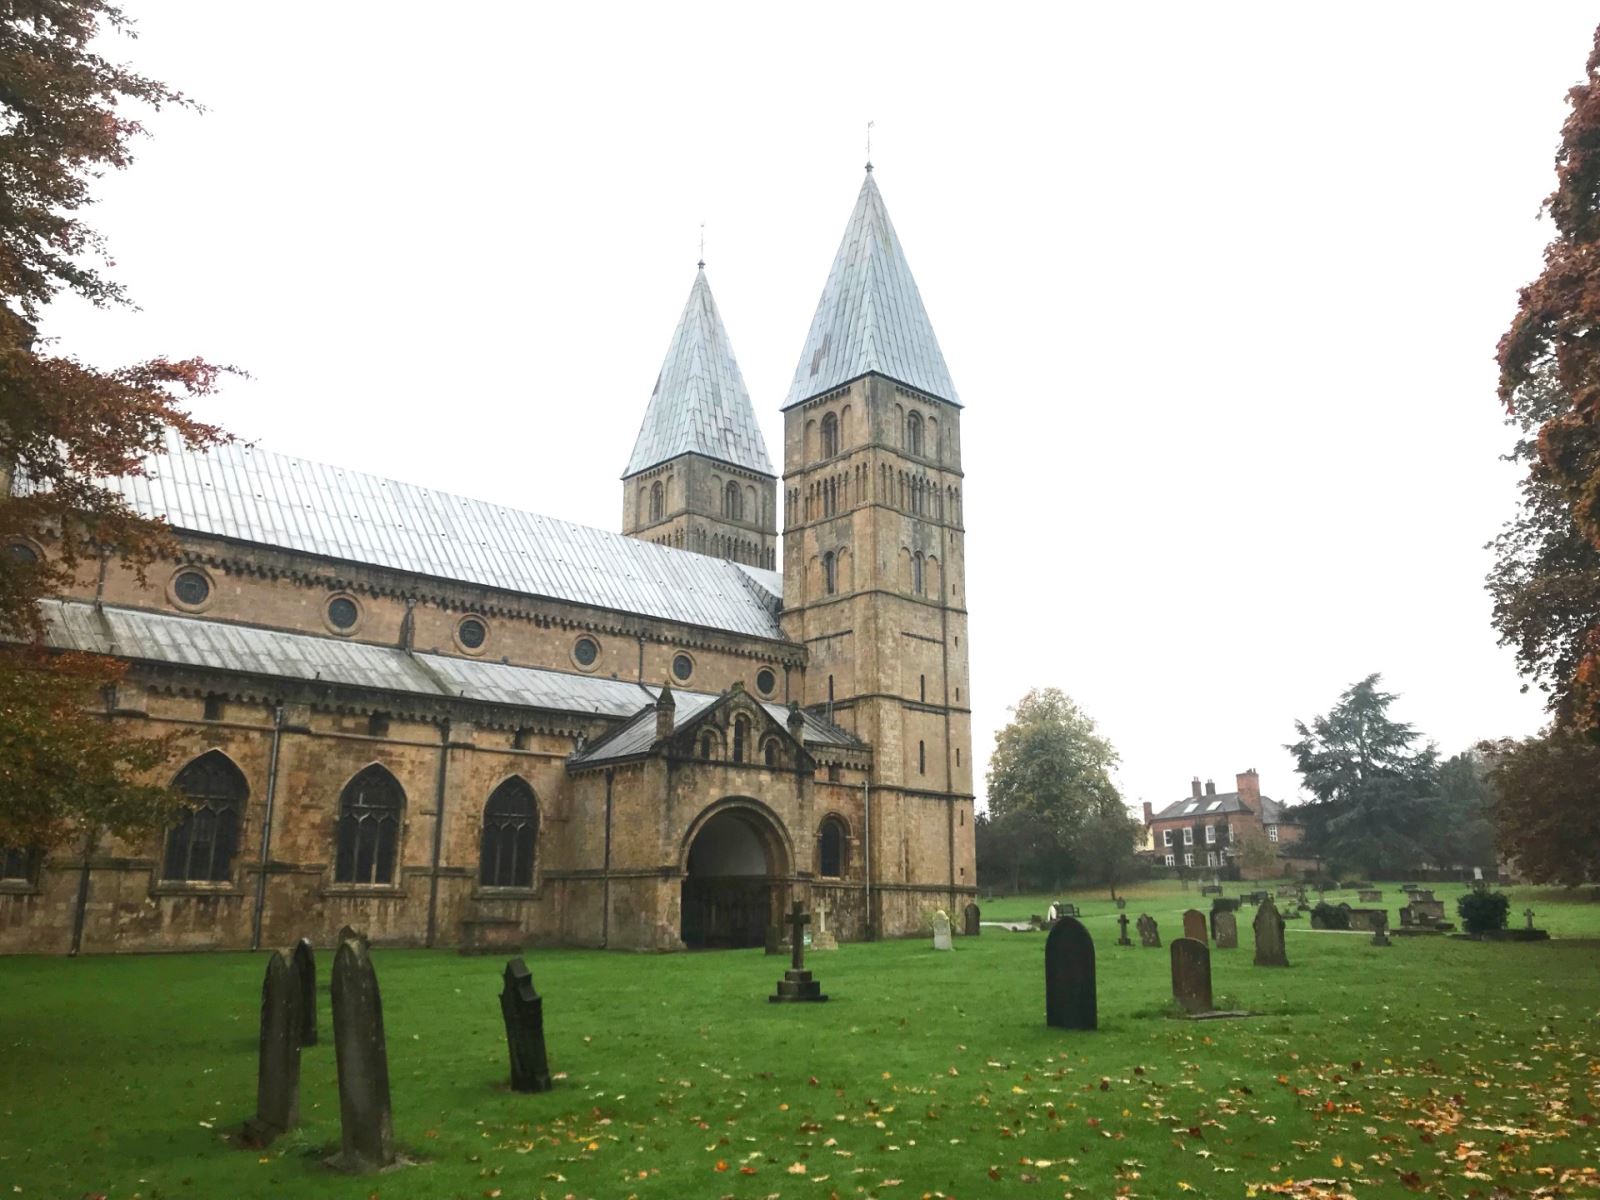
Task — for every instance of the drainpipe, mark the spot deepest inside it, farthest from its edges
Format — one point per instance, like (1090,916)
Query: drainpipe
(866,824)
(605,879)
(438,832)
(266,828)
(641,658)
(83,893)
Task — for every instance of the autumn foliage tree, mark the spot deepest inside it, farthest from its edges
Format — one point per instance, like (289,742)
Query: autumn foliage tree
(65,424)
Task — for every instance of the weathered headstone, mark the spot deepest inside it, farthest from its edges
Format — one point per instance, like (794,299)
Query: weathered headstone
(523,1010)
(363,1058)
(941,931)
(1149,935)
(822,937)
(278,1066)
(1191,974)
(1380,929)
(1270,951)
(1370,895)
(351,934)
(1122,903)
(971,924)
(797,986)
(1225,930)
(1069,992)
(305,964)
(1194,924)
(1122,925)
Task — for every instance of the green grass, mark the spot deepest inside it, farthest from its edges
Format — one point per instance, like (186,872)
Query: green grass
(1441,1065)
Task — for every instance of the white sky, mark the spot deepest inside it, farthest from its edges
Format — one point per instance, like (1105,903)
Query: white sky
(1220,287)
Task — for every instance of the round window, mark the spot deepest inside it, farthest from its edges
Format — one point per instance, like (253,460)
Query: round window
(472,633)
(343,613)
(682,667)
(765,681)
(192,588)
(22,552)
(586,651)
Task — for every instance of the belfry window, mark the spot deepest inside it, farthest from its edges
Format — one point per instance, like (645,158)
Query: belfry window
(369,828)
(510,836)
(917,565)
(914,433)
(658,501)
(201,846)
(830,573)
(830,848)
(830,436)
(733,502)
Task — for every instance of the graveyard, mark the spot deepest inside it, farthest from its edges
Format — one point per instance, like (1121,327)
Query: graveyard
(1433,1065)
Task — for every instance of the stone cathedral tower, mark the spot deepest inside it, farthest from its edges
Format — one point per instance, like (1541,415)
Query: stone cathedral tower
(700,478)
(874,561)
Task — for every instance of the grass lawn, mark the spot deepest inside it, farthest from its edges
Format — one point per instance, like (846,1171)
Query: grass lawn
(1436,1066)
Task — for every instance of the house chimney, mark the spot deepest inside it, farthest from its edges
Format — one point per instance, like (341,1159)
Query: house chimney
(1249,784)
(1149,813)
(1211,787)
(1194,787)
(666,713)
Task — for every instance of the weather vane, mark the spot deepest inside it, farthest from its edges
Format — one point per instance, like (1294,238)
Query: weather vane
(869,145)
(702,245)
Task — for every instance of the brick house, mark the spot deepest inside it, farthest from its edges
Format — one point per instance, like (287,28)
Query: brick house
(1206,830)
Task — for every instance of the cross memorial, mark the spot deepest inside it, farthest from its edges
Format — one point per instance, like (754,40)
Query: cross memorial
(797,986)
(1528,914)
(1122,925)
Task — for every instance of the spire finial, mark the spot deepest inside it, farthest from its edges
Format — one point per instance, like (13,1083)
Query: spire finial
(869,147)
(702,263)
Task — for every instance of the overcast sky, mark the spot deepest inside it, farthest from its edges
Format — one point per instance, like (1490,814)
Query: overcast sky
(1219,285)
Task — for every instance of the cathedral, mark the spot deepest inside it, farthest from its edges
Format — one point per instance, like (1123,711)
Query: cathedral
(451,723)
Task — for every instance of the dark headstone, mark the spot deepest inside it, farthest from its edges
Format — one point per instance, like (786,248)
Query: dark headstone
(1194,924)
(351,934)
(1122,903)
(305,965)
(1149,935)
(971,926)
(278,1067)
(797,986)
(1225,930)
(363,1058)
(1069,994)
(1191,975)
(1380,929)
(523,1010)
(1122,925)
(1270,951)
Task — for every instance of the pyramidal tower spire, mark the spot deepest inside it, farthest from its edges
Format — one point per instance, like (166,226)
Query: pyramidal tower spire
(699,477)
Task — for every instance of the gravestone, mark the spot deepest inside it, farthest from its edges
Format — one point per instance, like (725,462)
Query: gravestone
(1191,975)
(278,1065)
(1380,929)
(1370,895)
(822,937)
(1069,993)
(523,1010)
(1225,930)
(774,939)
(941,931)
(1122,903)
(363,1057)
(797,986)
(1148,934)
(1053,913)
(1270,951)
(350,934)
(1122,925)
(971,925)
(1528,914)
(305,965)
(1194,924)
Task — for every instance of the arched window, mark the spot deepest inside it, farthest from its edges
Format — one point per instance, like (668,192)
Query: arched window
(771,753)
(830,573)
(369,828)
(510,836)
(733,502)
(914,433)
(741,732)
(201,845)
(916,574)
(830,436)
(708,746)
(658,501)
(830,848)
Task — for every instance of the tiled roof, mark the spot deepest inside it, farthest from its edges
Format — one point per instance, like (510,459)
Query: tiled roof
(870,317)
(1219,803)
(253,495)
(700,405)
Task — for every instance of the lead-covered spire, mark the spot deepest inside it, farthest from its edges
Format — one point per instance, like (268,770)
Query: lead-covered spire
(700,404)
(870,317)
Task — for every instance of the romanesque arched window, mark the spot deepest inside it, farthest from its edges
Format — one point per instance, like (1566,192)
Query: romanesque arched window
(658,501)
(369,828)
(741,735)
(733,502)
(830,848)
(708,746)
(914,433)
(771,753)
(830,436)
(510,836)
(916,573)
(830,573)
(202,844)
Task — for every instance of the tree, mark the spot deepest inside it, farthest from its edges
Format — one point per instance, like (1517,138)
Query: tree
(1372,788)
(1460,829)
(1547,805)
(1106,844)
(1050,776)
(65,424)
(1256,853)
(1549,360)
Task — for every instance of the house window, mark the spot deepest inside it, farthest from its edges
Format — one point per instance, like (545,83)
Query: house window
(1166,839)
(830,848)
(1171,861)
(830,436)
(741,730)
(1272,833)
(16,866)
(510,836)
(200,847)
(1188,860)
(1211,835)
(1188,835)
(369,828)
(1211,858)
(658,501)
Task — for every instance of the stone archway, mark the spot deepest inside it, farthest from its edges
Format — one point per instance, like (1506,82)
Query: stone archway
(736,863)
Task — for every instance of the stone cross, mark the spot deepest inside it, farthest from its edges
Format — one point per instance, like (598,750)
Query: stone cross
(1069,989)
(1225,930)
(1191,975)
(1122,926)
(797,984)
(798,919)
(941,931)
(523,1010)
(1194,924)
(305,964)
(1149,935)
(278,1069)
(362,1054)
(1528,914)
(1270,950)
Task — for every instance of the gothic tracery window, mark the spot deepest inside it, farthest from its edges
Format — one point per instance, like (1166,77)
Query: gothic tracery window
(369,828)
(510,836)
(201,846)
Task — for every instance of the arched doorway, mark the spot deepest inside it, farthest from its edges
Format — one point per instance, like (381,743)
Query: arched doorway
(734,869)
